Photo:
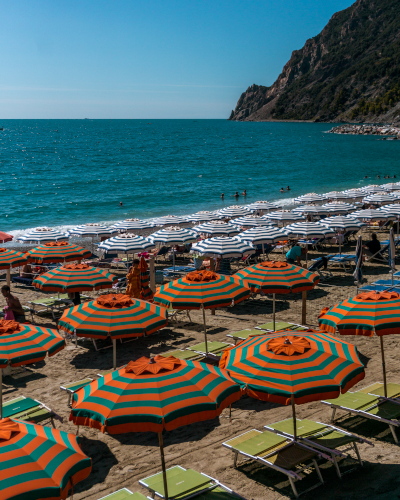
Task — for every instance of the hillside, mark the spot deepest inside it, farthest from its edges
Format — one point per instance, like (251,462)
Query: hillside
(349,72)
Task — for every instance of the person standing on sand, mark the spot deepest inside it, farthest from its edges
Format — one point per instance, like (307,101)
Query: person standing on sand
(133,279)
(13,304)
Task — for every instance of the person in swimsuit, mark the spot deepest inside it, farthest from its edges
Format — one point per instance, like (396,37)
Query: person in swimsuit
(14,304)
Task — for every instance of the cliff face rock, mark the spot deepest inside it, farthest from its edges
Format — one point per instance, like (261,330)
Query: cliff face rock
(350,71)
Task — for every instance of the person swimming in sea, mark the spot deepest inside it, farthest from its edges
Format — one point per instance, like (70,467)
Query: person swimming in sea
(244,193)
(120,204)
(288,188)
(281,190)
(222,196)
(236,195)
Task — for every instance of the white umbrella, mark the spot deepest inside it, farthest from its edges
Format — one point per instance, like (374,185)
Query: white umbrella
(337,195)
(310,198)
(169,220)
(127,243)
(173,236)
(339,207)
(393,210)
(395,194)
(203,216)
(341,224)
(265,206)
(372,215)
(223,247)
(133,225)
(92,231)
(308,230)
(261,236)
(380,199)
(233,211)
(251,221)
(355,193)
(373,188)
(283,216)
(216,228)
(43,235)
(310,210)
(391,186)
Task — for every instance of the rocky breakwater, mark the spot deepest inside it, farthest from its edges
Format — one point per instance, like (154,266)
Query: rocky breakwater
(382,130)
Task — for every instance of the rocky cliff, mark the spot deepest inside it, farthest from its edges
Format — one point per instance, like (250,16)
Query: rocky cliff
(349,72)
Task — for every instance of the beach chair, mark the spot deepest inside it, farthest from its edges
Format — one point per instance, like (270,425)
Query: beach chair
(74,386)
(387,283)
(161,253)
(379,288)
(18,280)
(320,266)
(187,483)
(245,334)
(29,409)
(370,403)
(181,354)
(51,305)
(345,260)
(214,348)
(314,244)
(124,494)
(383,254)
(174,313)
(279,453)
(325,437)
(281,325)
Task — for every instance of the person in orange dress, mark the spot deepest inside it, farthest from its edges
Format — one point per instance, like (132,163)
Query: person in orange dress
(133,279)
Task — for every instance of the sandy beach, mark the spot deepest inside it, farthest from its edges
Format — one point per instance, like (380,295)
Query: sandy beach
(121,460)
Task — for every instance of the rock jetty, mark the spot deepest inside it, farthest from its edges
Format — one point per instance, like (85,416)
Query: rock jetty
(382,130)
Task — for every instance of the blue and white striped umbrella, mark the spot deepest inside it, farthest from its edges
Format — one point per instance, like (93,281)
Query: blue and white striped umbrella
(342,224)
(310,210)
(43,235)
(339,207)
(168,220)
(358,275)
(283,216)
(223,247)
(372,215)
(265,206)
(395,194)
(92,231)
(261,235)
(337,195)
(126,243)
(233,211)
(308,230)
(133,225)
(203,216)
(251,221)
(380,199)
(391,209)
(216,228)
(173,236)
(391,186)
(355,193)
(310,198)
(373,188)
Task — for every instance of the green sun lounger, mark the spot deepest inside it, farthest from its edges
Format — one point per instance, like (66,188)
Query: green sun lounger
(74,386)
(124,494)
(277,452)
(281,325)
(325,437)
(181,354)
(214,348)
(29,409)
(187,483)
(370,403)
(245,334)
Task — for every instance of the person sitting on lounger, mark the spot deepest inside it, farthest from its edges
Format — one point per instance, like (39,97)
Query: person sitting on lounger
(27,271)
(14,304)
(295,254)
(373,246)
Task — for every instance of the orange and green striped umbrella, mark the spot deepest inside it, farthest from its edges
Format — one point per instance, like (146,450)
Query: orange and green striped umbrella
(38,462)
(74,278)
(365,314)
(57,251)
(11,258)
(117,316)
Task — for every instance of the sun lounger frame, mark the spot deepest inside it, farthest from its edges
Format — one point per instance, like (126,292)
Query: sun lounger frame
(70,391)
(52,414)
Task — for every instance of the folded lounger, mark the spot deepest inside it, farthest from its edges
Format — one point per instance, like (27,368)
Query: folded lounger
(23,408)
(281,325)
(124,494)
(74,386)
(280,453)
(245,334)
(325,437)
(187,483)
(370,403)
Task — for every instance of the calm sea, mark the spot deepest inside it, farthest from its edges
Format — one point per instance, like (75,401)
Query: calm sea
(62,173)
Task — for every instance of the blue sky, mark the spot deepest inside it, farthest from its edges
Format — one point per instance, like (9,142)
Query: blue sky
(148,58)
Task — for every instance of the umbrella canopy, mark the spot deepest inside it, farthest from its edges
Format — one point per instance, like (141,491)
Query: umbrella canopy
(342,224)
(92,230)
(311,210)
(337,195)
(216,228)
(59,251)
(173,236)
(115,315)
(380,199)
(74,278)
(261,235)
(42,235)
(391,186)
(126,243)
(391,209)
(4,237)
(132,225)
(355,193)
(265,206)
(293,367)
(339,207)
(203,216)
(310,198)
(169,220)
(150,395)
(223,247)
(251,221)
(233,211)
(11,258)
(372,215)
(396,194)
(374,188)
(38,462)
(308,230)
(283,216)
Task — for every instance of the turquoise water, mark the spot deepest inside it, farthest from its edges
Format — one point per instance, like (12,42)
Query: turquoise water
(67,172)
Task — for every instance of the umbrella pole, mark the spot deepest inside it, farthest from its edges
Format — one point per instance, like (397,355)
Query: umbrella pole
(173,256)
(9,276)
(263,251)
(205,329)
(304,308)
(164,471)
(383,366)
(114,353)
(1,393)
(273,311)
(294,418)
(340,245)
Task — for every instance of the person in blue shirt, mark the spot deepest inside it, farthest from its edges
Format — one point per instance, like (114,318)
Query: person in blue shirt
(294,254)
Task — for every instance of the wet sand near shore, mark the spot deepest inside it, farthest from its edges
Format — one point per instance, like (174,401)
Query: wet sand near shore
(121,460)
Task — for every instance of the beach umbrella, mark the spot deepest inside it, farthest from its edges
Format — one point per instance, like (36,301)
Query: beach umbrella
(251,221)
(339,207)
(216,228)
(10,259)
(233,212)
(174,235)
(371,215)
(379,199)
(92,230)
(222,246)
(126,243)
(202,290)
(203,216)
(261,236)
(337,195)
(264,206)
(358,275)
(57,251)
(341,224)
(355,193)
(132,225)
(311,210)
(38,462)
(365,314)
(293,367)
(25,344)
(390,186)
(5,237)
(373,188)
(308,230)
(74,278)
(42,235)
(152,395)
(168,220)
(393,210)
(396,194)
(116,316)
(283,216)
(277,277)
(310,198)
